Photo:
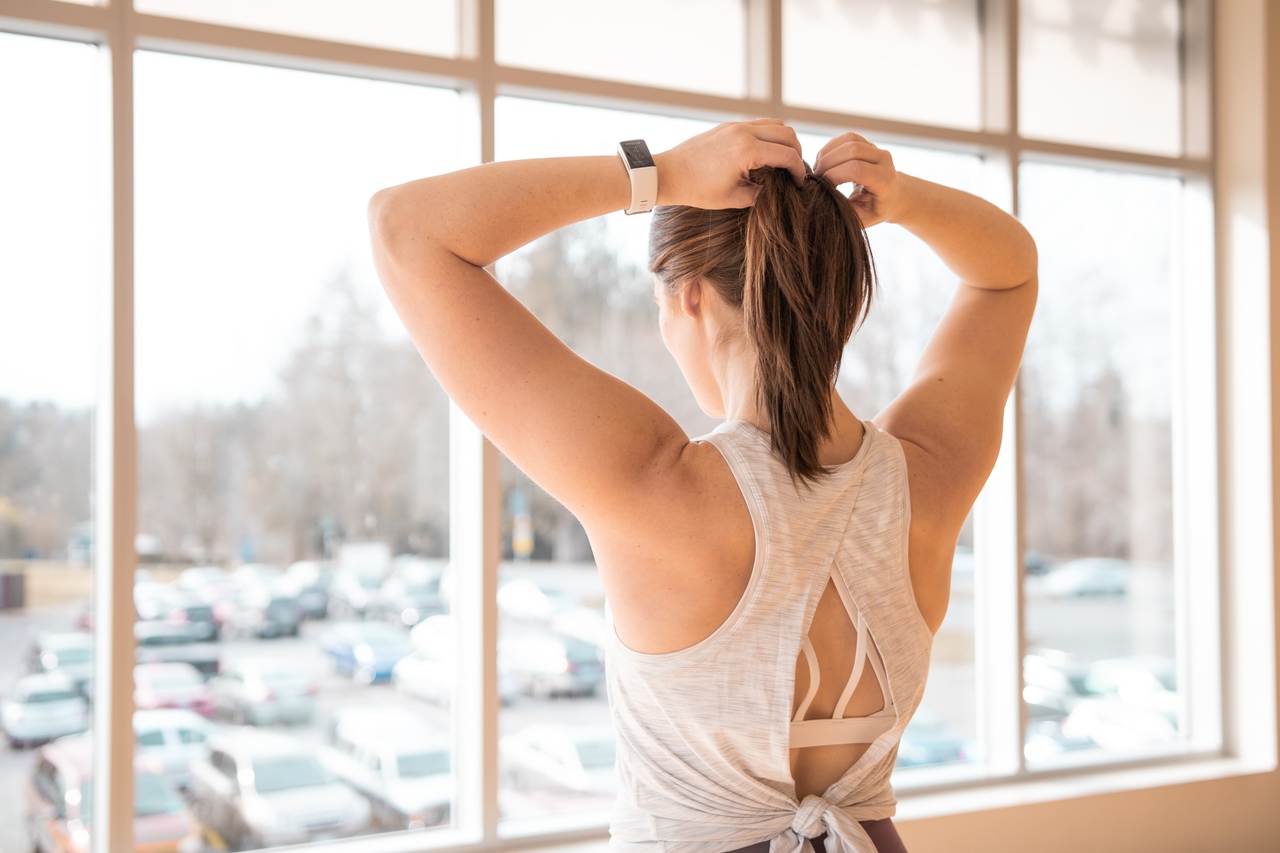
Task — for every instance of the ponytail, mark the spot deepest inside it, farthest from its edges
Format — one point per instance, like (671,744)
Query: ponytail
(799,265)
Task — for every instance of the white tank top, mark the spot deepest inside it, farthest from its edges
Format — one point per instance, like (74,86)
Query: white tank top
(704,734)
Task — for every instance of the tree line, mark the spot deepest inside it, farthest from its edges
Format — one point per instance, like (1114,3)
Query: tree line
(352,443)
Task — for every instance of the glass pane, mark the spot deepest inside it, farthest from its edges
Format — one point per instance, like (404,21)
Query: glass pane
(292,454)
(698,45)
(832,50)
(51,275)
(557,740)
(1096,398)
(914,288)
(1105,73)
(422,26)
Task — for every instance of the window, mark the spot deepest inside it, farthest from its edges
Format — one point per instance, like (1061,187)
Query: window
(883,59)
(300,474)
(1097,407)
(426,26)
(1106,74)
(50,277)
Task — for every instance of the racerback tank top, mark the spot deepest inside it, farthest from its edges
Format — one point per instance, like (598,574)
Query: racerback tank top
(705,733)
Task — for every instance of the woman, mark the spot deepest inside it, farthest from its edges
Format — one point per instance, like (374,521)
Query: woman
(775,586)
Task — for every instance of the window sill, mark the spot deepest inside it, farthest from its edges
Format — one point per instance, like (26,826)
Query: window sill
(1065,785)
(979,796)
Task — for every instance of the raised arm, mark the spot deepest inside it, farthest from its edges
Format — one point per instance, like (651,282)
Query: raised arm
(952,412)
(590,440)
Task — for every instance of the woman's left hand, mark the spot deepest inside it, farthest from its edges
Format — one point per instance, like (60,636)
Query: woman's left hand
(851,159)
(712,170)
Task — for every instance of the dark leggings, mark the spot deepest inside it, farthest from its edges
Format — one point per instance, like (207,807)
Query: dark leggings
(883,833)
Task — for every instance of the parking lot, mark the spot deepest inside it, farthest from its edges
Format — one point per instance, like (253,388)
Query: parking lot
(335,691)
(1092,628)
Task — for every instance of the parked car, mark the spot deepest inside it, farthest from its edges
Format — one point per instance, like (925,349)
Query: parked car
(263,789)
(1088,576)
(365,651)
(1060,678)
(1144,681)
(577,758)
(208,583)
(171,685)
(188,609)
(166,740)
(174,642)
(928,739)
(551,664)
(1116,725)
(1046,739)
(58,804)
(407,599)
(428,673)
(151,600)
(264,611)
(68,652)
(256,574)
(398,761)
(262,691)
(350,594)
(42,707)
(312,582)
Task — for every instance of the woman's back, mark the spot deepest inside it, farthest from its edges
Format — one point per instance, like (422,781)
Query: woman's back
(717,717)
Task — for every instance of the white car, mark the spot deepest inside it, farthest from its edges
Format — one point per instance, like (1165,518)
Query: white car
(167,740)
(263,691)
(43,707)
(396,759)
(1116,725)
(1142,681)
(428,673)
(1089,576)
(579,759)
(261,789)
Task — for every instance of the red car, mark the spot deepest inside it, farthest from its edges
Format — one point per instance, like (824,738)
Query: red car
(58,804)
(171,685)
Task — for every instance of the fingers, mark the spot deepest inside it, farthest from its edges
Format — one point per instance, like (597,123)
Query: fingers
(852,150)
(856,172)
(780,149)
(846,137)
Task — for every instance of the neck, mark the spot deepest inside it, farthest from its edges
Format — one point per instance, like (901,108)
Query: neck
(736,375)
(738,390)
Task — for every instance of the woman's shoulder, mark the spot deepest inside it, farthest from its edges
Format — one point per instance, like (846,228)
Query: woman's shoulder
(679,567)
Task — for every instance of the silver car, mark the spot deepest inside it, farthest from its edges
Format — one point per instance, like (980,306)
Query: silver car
(68,652)
(578,759)
(397,760)
(43,707)
(167,740)
(261,789)
(262,691)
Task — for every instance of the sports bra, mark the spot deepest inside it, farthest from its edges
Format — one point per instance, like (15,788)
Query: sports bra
(841,729)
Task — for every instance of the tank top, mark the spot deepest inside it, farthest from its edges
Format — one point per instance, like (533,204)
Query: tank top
(704,734)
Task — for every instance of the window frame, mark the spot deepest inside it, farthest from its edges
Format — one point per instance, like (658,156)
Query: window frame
(474,490)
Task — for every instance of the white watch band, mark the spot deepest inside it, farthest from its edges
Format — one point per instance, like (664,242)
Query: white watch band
(643,174)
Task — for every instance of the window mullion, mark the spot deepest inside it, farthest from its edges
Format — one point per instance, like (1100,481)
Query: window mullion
(999,65)
(117,478)
(998,547)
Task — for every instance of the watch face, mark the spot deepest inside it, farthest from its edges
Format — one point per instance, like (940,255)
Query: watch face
(637,154)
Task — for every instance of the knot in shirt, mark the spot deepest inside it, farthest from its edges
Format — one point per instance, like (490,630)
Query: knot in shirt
(808,820)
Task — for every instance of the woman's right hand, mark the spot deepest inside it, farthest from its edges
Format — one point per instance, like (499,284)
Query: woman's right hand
(850,159)
(712,170)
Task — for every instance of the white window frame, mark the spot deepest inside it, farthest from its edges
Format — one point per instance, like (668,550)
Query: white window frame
(1212,492)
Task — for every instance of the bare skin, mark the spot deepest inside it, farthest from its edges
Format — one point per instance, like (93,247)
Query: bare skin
(669,528)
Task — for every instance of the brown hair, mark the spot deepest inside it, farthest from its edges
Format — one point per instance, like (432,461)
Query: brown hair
(799,265)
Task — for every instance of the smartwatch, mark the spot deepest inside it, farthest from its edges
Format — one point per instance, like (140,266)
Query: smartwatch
(643,174)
